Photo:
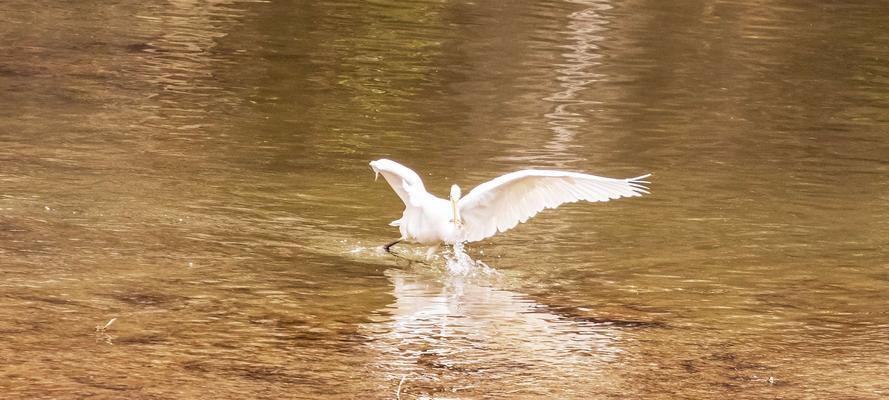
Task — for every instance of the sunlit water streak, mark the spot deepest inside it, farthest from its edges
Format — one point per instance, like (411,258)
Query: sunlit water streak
(577,74)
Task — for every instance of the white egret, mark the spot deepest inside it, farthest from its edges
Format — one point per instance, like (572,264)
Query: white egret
(494,206)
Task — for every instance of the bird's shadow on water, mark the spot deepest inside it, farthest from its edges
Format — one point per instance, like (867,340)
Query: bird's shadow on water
(453,326)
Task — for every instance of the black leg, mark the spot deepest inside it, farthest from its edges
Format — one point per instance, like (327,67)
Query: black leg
(388,245)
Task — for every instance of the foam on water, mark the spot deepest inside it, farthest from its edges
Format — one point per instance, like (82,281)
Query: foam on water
(461,264)
(457,262)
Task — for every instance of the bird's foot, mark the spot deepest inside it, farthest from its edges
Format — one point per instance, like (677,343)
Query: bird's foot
(388,246)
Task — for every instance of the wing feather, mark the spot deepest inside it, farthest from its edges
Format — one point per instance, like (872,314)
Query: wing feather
(404,181)
(504,202)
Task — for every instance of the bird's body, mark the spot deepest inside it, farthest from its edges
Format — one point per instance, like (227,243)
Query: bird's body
(430,223)
(494,206)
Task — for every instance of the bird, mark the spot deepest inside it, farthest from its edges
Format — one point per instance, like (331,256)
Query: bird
(491,207)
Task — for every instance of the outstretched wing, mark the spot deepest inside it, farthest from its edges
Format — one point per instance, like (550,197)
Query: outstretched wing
(501,204)
(405,182)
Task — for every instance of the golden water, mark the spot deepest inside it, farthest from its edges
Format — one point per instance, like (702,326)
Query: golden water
(198,171)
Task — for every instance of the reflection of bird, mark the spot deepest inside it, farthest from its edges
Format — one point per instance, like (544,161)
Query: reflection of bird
(494,206)
(432,318)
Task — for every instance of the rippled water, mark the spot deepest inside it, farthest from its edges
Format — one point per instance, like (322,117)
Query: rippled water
(198,171)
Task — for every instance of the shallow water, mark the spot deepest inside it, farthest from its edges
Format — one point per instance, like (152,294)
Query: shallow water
(198,171)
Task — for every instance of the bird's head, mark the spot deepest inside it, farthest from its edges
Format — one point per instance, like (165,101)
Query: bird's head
(455,193)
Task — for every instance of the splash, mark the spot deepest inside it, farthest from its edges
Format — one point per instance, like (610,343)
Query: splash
(460,263)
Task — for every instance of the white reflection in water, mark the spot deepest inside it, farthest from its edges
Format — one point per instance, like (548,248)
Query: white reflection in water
(456,332)
(576,74)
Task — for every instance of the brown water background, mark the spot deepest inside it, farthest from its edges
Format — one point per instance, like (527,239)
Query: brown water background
(198,171)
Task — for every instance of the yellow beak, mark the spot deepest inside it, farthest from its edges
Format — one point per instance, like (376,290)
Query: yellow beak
(454,208)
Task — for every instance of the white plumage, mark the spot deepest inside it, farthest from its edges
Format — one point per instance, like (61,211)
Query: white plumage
(494,206)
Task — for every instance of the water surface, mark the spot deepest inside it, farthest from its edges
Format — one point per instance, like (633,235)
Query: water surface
(198,170)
